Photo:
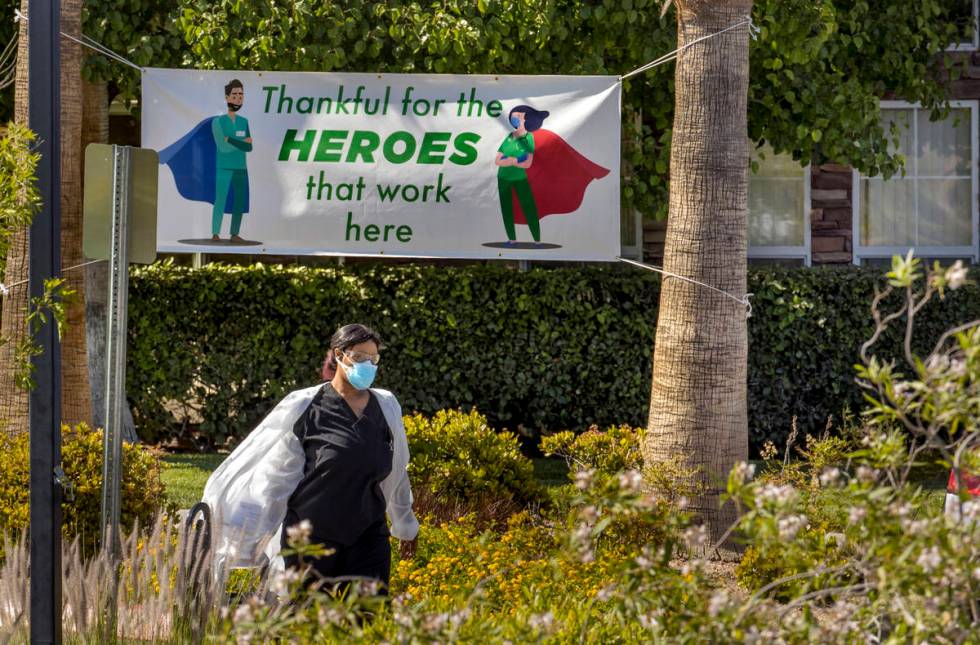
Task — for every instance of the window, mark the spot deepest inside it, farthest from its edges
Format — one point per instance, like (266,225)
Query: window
(933,207)
(631,234)
(779,209)
(966,13)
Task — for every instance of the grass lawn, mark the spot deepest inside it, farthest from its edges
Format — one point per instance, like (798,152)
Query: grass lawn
(185,475)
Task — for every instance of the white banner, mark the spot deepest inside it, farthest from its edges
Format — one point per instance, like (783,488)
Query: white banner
(511,167)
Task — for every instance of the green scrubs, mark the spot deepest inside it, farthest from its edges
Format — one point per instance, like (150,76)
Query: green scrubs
(511,179)
(231,171)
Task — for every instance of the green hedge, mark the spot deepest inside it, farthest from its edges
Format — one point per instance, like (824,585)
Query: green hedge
(547,349)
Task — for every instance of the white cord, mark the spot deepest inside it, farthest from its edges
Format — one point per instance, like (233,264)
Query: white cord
(85,41)
(666,58)
(744,300)
(5,288)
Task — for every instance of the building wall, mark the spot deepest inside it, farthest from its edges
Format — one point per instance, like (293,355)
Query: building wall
(831,191)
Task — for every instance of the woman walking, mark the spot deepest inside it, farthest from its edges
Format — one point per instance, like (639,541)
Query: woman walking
(334,456)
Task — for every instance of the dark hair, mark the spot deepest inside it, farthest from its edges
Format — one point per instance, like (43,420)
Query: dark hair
(343,339)
(533,119)
(232,85)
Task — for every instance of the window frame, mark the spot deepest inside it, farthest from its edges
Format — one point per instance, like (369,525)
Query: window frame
(634,251)
(803,252)
(861,252)
(975,43)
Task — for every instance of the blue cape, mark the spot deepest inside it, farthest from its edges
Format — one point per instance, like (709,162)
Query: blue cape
(193,161)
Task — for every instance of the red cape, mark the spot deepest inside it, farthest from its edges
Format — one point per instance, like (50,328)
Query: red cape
(968,481)
(558,176)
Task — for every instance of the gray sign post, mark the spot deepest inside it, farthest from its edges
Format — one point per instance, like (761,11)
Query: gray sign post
(119,226)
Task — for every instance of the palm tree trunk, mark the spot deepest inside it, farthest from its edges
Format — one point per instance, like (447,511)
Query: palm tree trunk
(698,410)
(13,400)
(75,397)
(76,402)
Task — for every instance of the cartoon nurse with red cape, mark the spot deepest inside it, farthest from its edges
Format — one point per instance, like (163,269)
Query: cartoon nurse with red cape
(539,174)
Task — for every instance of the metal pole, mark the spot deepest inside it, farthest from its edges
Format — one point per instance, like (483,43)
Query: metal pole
(116,348)
(44,104)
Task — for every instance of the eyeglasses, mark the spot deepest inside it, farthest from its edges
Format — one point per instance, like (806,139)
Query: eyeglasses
(360,357)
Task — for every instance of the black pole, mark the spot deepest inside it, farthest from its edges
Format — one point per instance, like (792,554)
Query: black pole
(44,74)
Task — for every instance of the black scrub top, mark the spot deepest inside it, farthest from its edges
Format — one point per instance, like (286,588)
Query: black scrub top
(346,459)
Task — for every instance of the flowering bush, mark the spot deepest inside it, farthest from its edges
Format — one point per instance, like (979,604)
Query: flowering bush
(457,455)
(81,452)
(610,451)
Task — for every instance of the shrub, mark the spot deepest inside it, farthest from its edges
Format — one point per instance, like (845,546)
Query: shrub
(457,455)
(141,490)
(542,349)
(610,451)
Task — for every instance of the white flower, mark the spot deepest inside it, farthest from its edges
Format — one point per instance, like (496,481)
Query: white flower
(582,533)
(696,537)
(643,562)
(901,510)
(970,510)
(867,475)
(743,472)
(589,514)
(914,527)
(856,514)
(937,364)
(829,477)
(583,478)
(243,614)
(284,580)
(606,593)
(789,526)
(330,616)
(717,603)
(902,391)
(630,481)
(299,534)
(541,621)
(929,559)
(956,275)
(648,622)
(957,368)
(779,495)
(976,574)
(435,622)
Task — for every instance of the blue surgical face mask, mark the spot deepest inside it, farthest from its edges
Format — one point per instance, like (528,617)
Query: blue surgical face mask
(360,375)
(514,121)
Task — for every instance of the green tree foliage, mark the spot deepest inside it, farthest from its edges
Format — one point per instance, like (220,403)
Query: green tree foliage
(818,66)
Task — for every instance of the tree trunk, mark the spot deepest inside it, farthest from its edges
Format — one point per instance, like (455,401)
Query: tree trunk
(698,408)
(75,397)
(13,400)
(76,401)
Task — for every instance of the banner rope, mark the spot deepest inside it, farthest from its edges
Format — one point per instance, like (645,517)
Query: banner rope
(85,41)
(5,288)
(666,58)
(744,300)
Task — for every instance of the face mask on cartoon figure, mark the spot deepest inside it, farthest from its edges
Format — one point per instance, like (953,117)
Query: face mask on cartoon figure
(514,121)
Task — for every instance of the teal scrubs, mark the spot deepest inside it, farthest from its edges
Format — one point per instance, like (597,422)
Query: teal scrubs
(231,172)
(511,179)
